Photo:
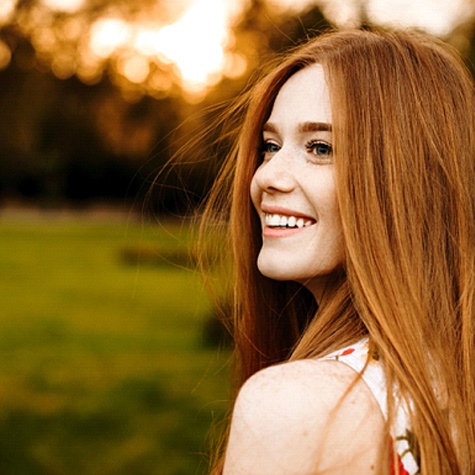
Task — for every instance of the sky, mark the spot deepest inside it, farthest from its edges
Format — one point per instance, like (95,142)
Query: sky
(434,16)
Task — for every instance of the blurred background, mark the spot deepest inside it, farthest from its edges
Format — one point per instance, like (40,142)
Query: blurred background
(111,361)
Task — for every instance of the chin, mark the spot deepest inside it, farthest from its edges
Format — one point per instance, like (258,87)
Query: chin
(279,271)
(299,272)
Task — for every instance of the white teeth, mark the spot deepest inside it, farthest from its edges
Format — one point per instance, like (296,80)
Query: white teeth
(282,221)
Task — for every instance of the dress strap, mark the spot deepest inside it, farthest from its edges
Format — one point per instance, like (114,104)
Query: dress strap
(358,356)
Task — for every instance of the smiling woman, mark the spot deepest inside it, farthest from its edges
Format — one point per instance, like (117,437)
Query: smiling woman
(351,225)
(293,190)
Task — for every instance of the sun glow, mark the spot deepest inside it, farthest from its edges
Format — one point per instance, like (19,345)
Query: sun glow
(7,9)
(195,45)
(196,42)
(179,46)
(107,35)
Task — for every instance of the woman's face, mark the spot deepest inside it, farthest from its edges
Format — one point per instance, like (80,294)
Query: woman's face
(293,190)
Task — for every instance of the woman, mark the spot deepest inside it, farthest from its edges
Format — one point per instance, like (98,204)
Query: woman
(353,192)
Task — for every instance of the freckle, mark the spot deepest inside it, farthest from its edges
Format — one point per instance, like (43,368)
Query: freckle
(371,467)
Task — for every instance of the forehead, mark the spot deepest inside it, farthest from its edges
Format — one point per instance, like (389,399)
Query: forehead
(303,97)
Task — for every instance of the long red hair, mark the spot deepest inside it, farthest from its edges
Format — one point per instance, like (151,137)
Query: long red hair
(404,142)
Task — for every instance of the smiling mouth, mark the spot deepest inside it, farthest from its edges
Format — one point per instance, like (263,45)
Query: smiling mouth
(286,222)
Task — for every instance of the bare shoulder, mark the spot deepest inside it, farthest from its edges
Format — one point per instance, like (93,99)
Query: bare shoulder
(301,418)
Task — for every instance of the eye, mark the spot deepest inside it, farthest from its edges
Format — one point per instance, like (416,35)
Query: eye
(319,148)
(269,147)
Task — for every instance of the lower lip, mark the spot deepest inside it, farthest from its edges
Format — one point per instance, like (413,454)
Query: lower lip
(281,232)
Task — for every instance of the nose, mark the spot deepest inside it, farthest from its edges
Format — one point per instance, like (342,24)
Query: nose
(275,174)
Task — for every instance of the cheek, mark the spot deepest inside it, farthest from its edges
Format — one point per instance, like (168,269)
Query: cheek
(320,190)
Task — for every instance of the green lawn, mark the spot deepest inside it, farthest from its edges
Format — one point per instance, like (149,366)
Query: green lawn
(103,366)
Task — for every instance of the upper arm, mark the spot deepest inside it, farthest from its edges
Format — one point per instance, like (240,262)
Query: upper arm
(299,418)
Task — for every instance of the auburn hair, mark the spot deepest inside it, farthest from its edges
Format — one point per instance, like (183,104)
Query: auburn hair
(404,145)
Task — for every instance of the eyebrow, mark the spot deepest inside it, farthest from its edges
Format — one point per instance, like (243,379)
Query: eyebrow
(302,128)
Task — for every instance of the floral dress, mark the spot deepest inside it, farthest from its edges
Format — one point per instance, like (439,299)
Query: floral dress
(404,443)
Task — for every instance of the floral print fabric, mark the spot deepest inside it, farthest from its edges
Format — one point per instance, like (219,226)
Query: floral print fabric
(358,357)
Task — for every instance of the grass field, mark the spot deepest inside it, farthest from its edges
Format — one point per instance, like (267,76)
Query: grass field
(103,366)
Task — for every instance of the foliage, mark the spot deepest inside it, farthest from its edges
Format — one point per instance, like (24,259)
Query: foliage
(81,139)
(69,133)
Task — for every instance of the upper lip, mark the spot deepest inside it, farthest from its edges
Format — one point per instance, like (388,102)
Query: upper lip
(270,209)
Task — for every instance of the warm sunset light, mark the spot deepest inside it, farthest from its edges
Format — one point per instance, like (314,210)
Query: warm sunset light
(186,44)
(7,8)
(107,35)
(435,16)
(196,42)
(67,6)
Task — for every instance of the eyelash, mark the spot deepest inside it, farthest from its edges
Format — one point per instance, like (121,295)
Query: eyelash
(311,146)
(316,143)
